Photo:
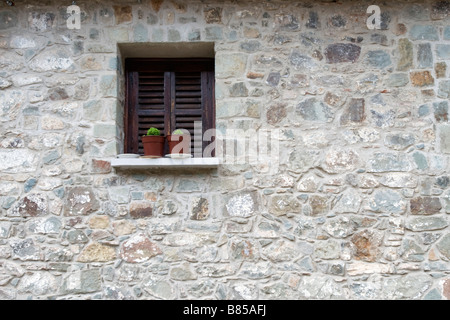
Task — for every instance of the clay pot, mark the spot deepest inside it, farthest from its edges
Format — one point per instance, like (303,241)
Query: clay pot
(153,146)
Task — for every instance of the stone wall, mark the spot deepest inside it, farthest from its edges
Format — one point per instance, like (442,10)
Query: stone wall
(356,205)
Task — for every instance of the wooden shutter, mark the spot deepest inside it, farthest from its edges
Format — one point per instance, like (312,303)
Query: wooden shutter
(169,94)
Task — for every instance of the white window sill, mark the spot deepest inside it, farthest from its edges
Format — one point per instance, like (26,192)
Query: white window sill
(146,163)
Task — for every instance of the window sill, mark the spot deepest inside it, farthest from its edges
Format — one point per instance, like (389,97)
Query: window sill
(146,163)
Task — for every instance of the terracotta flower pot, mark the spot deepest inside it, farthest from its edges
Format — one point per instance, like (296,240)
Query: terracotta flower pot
(153,146)
(179,143)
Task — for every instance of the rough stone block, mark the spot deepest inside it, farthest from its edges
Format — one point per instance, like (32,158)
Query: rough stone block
(424,32)
(425,205)
(342,52)
(444,89)
(230,64)
(313,110)
(444,138)
(424,56)
(443,51)
(80,201)
(421,78)
(406,54)
(138,248)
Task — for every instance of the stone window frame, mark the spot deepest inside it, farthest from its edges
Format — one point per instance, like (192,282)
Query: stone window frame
(198,49)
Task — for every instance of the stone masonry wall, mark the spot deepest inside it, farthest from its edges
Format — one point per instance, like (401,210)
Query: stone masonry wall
(358,204)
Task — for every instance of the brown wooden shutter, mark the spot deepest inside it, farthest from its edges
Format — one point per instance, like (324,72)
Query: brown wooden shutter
(169,94)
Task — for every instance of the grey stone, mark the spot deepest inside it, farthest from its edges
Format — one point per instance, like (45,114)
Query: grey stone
(387,201)
(388,162)
(314,110)
(349,202)
(182,273)
(426,224)
(383,118)
(338,21)
(300,61)
(405,60)
(327,250)
(378,59)
(194,35)
(434,294)
(399,180)
(77,236)
(50,225)
(273,79)
(444,89)
(444,137)
(5,228)
(444,245)
(52,60)
(302,160)
(443,51)
(140,33)
(39,284)
(447,33)
(25,250)
(342,52)
(406,287)
(250,46)
(410,250)
(238,90)
(340,228)
(187,185)
(400,141)
(243,205)
(29,184)
(213,33)
(281,250)
(424,32)
(441,110)
(443,181)
(424,110)
(397,80)
(230,64)
(313,21)
(108,86)
(420,160)
(379,39)
(424,56)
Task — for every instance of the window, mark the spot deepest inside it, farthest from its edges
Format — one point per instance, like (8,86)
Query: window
(169,94)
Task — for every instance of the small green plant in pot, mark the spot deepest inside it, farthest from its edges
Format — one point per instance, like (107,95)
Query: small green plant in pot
(153,143)
(179,142)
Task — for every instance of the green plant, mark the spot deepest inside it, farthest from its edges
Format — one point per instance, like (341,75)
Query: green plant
(153,132)
(178,131)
